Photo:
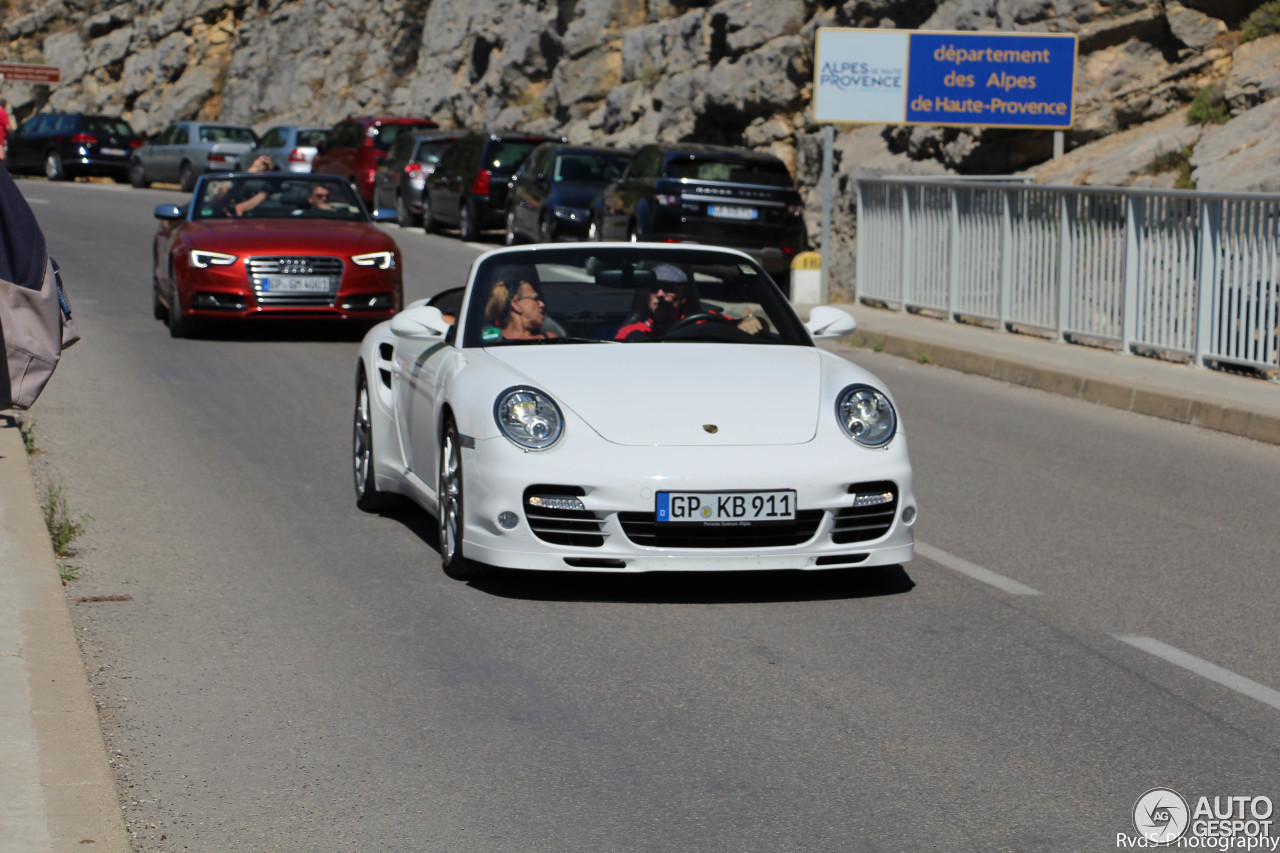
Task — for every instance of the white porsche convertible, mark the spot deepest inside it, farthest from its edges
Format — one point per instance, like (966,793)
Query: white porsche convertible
(630,407)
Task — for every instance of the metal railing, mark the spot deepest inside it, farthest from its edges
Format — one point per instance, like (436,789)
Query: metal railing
(1163,272)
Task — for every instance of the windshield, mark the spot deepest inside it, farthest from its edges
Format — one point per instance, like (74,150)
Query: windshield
(311,138)
(218,133)
(247,196)
(507,155)
(589,168)
(634,296)
(429,152)
(763,173)
(107,126)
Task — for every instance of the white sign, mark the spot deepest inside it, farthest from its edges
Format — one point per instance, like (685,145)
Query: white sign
(861,76)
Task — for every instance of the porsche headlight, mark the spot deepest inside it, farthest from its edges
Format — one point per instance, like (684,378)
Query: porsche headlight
(866,415)
(200,259)
(381,260)
(529,418)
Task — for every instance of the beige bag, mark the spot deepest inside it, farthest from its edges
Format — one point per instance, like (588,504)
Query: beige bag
(35,326)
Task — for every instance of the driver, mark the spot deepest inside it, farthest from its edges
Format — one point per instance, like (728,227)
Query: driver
(671,300)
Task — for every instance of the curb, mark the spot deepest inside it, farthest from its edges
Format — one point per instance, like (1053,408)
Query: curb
(57,790)
(1105,391)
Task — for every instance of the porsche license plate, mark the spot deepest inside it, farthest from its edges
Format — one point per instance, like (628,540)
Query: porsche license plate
(727,507)
(732,211)
(295,284)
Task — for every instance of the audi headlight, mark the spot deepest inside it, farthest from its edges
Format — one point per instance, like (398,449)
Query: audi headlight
(381,260)
(201,260)
(529,418)
(866,415)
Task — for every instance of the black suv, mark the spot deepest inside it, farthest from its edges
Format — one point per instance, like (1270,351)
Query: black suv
(63,145)
(469,186)
(402,172)
(689,193)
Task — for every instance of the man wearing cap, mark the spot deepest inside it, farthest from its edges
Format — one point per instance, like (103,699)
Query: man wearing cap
(672,299)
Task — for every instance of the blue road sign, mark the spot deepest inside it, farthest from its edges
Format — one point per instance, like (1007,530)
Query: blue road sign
(1024,80)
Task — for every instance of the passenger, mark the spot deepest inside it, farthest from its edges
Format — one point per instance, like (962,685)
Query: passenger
(671,300)
(224,203)
(516,314)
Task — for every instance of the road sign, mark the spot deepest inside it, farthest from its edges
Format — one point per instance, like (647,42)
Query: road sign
(1023,80)
(14,72)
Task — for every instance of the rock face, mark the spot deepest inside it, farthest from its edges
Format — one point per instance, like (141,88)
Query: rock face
(624,72)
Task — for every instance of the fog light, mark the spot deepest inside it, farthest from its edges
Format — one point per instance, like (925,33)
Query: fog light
(909,515)
(548,502)
(369,302)
(217,301)
(507,520)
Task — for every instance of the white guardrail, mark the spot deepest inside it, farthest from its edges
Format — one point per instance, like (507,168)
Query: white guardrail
(1162,272)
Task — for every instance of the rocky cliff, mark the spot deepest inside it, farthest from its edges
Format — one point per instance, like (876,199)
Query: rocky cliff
(623,72)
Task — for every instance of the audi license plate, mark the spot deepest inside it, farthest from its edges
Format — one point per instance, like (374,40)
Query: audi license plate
(113,152)
(727,507)
(295,284)
(732,211)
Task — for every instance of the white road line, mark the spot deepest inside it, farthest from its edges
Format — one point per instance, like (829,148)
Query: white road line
(964,567)
(37,201)
(1203,668)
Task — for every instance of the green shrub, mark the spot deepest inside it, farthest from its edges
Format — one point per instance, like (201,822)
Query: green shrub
(1264,21)
(63,529)
(1174,161)
(1209,107)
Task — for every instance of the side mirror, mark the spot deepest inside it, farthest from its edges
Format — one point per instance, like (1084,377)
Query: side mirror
(826,322)
(383,214)
(168,211)
(419,322)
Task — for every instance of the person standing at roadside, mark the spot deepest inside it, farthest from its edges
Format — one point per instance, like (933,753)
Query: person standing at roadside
(6,124)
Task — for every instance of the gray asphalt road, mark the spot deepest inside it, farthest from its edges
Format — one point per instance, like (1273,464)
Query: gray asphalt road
(291,674)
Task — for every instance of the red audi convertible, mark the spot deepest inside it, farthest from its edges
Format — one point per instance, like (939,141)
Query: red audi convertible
(273,245)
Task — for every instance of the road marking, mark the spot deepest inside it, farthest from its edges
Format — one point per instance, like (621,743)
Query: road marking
(1204,669)
(37,201)
(964,567)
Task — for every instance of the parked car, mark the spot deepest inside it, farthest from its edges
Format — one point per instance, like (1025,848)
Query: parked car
(186,150)
(65,145)
(352,147)
(530,461)
(551,192)
(291,147)
(711,194)
(402,172)
(468,189)
(265,245)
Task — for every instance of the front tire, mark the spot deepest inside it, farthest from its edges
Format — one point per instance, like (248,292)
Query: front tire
(187,178)
(546,233)
(179,326)
(138,176)
(466,223)
(53,168)
(430,224)
(450,514)
(511,238)
(368,498)
(403,217)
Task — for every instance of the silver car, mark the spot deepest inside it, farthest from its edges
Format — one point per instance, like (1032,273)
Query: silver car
(187,149)
(290,147)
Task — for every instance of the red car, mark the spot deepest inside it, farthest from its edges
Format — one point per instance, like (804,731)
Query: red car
(355,145)
(273,245)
